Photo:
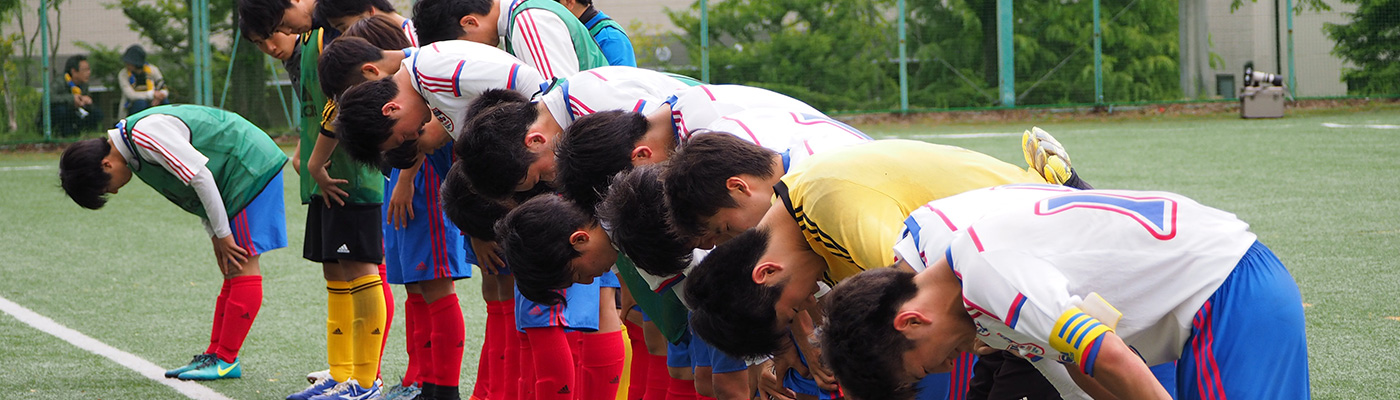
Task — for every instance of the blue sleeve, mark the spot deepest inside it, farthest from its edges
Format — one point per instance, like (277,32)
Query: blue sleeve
(616,47)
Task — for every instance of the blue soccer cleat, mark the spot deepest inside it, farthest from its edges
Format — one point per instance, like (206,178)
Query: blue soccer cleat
(317,388)
(218,369)
(196,363)
(351,390)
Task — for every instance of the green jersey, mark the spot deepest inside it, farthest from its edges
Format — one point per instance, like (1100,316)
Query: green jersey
(241,157)
(589,54)
(366,183)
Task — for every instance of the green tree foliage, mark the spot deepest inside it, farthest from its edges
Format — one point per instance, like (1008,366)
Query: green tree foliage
(834,54)
(166,23)
(1371,43)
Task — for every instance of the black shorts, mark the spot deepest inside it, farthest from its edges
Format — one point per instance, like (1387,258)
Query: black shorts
(349,232)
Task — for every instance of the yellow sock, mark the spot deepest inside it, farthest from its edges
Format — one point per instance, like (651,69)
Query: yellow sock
(340,313)
(367,293)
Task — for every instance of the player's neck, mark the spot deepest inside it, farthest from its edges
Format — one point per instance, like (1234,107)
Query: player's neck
(940,294)
(660,134)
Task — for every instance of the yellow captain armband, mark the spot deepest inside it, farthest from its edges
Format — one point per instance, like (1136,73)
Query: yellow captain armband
(1076,336)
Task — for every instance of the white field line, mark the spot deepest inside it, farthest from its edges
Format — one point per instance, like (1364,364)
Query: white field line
(28,168)
(131,361)
(1369,126)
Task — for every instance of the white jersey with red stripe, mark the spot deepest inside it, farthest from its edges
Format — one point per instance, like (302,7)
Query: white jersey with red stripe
(541,39)
(410,32)
(1046,279)
(450,74)
(609,88)
(164,140)
(700,106)
(932,226)
(794,135)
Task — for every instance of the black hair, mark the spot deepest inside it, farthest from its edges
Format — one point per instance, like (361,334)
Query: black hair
(593,149)
(329,9)
(339,65)
(535,237)
(859,341)
(73,63)
(635,212)
(258,18)
(80,172)
(492,144)
(361,124)
(473,214)
(439,20)
(728,309)
(695,179)
(379,31)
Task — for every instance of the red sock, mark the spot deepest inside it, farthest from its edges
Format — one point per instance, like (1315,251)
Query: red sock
(417,327)
(681,390)
(603,355)
(575,339)
(388,311)
(527,367)
(449,335)
(637,376)
(658,378)
(244,300)
(509,343)
(219,305)
(554,364)
(486,365)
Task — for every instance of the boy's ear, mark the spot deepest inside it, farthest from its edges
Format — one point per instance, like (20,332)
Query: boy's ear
(468,21)
(533,139)
(578,237)
(369,71)
(765,272)
(641,153)
(736,183)
(389,108)
(907,320)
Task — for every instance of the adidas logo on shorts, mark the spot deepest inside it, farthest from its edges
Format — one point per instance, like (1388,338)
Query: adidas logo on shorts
(343,249)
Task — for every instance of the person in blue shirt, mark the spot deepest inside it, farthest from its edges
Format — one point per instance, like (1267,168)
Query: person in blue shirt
(609,35)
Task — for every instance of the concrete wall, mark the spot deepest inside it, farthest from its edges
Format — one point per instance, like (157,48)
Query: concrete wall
(1249,34)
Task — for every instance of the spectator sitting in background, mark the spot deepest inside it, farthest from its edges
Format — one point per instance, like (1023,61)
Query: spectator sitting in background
(142,84)
(73,111)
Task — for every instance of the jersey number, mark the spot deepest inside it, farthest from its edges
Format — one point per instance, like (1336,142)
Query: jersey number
(1156,214)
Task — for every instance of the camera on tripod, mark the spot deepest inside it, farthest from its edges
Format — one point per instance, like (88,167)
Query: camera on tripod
(1256,78)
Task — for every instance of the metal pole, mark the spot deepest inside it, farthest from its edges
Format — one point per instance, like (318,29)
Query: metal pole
(206,73)
(48,83)
(232,56)
(704,41)
(1098,57)
(195,5)
(1292,76)
(1006,54)
(903,64)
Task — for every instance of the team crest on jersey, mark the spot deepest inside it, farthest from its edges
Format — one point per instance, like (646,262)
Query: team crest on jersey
(443,118)
(982,330)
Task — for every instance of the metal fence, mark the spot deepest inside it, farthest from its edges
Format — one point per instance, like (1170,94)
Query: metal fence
(843,56)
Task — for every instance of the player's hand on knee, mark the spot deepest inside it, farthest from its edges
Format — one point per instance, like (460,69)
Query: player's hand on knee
(230,256)
(770,385)
(488,255)
(401,203)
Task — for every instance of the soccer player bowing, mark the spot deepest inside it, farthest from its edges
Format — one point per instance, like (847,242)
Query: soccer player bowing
(213,164)
(1102,282)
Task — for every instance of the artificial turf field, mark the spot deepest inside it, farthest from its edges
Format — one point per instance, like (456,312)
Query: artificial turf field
(1319,187)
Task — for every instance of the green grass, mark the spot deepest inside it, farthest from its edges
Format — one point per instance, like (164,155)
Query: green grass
(138,275)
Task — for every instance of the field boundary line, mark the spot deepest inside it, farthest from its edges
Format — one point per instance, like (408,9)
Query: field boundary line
(26,168)
(131,361)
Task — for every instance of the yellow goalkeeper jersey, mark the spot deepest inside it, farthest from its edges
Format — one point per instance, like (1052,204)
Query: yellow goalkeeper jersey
(851,203)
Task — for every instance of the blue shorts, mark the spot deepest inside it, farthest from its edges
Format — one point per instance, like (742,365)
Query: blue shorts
(429,246)
(702,354)
(1248,340)
(609,279)
(262,225)
(579,312)
(804,385)
(678,352)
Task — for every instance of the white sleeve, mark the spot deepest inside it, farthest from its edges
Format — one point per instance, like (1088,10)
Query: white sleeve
(216,217)
(165,140)
(541,39)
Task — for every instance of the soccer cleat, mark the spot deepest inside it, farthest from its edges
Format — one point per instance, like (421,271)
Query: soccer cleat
(401,392)
(198,361)
(316,389)
(1045,156)
(351,390)
(218,369)
(318,376)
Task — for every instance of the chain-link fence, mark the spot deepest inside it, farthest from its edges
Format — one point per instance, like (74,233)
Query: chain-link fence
(839,55)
